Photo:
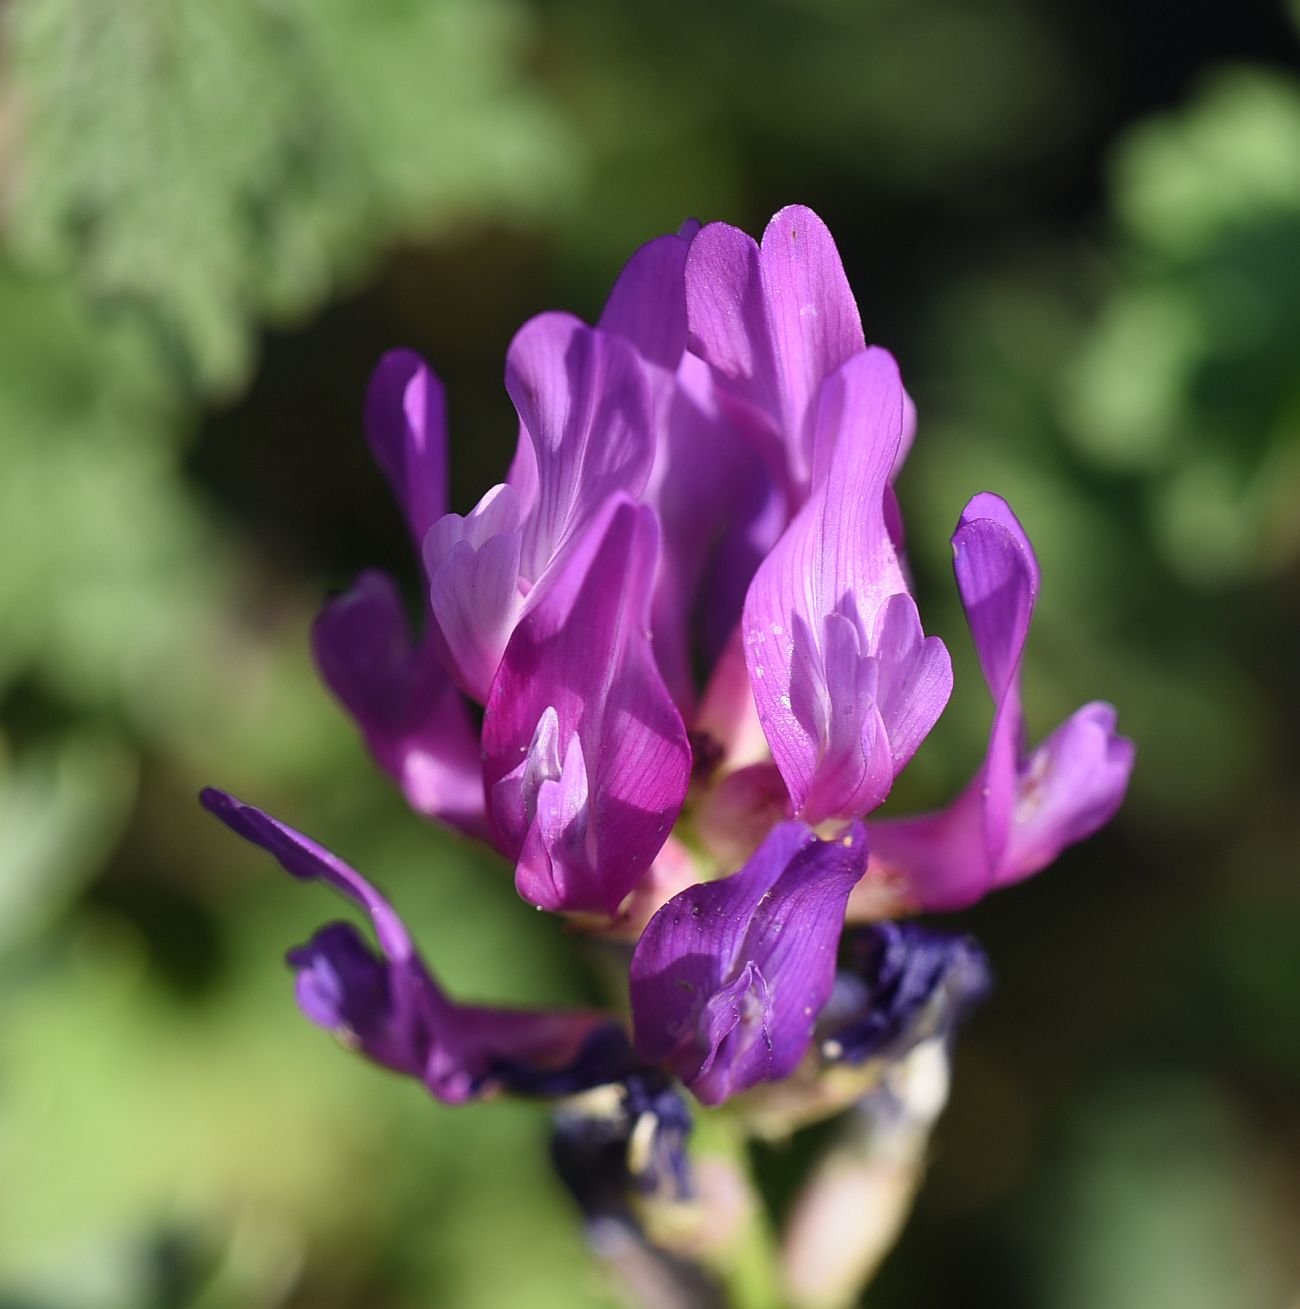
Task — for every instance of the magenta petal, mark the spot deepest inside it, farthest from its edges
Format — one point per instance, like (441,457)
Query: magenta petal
(1068,787)
(416,726)
(406,426)
(584,405)
(391,1008)
(845,682)
(647,305)
(915,678)
(585,434)
(997,576)
(1022,808)
(585,756)
(774,321)
(475,596)
(703,480)
(729,976)
(301,857)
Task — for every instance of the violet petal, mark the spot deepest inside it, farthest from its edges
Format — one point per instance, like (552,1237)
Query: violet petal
(902,983)
(845,682)
(729,976)
(773,321)
(1022,807)
(391,1008)
(585,756)
(586,433)
(415,725)
(406,427)
(647,304)
(583,401)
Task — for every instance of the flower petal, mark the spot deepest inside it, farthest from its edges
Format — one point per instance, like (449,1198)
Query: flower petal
(1021,808)
(729,976)
(393,1010)
(584,405)
(701,486)
(475,596)
(774,322)
(647,304)
(585,434)
(415,725)
(585,756)
(845,683)
(406,427)
(1068,787)
(902,984)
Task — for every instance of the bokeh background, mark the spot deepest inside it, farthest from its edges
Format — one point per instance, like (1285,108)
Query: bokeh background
(1076,222)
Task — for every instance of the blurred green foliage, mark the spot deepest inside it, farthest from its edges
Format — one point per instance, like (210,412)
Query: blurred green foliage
(1081,230)
(1208,297)
(217,165)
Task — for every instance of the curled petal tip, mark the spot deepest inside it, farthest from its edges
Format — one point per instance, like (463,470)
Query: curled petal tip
(406,427)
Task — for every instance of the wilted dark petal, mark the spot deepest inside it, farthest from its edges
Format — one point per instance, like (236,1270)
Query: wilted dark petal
(901,985)
(586,758)
(846,683)
(391,1008)
(729,976)
(622,1153)
(1022,807)
(406,426)
(416,726)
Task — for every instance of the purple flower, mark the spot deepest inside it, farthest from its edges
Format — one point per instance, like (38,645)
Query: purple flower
(414,722)
(846,683)
(586,761)
(729,977)
(686,614)
(389,1007)
(584,436)
(1023,806)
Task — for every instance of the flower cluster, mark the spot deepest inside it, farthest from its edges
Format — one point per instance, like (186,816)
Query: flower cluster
(686,617)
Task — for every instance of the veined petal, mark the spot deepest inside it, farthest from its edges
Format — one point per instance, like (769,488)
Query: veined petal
(700,488)
(475,594)
(915,677)
(391,1008)
(585,409)
(647,304)
(1022,808)
(774,321)
(580,662)
(406,427)
(998,579)
(415,725)
(1067,788)
(845,683)
(729,976)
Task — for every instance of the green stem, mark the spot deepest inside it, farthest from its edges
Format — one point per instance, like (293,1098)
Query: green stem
(750,1267)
